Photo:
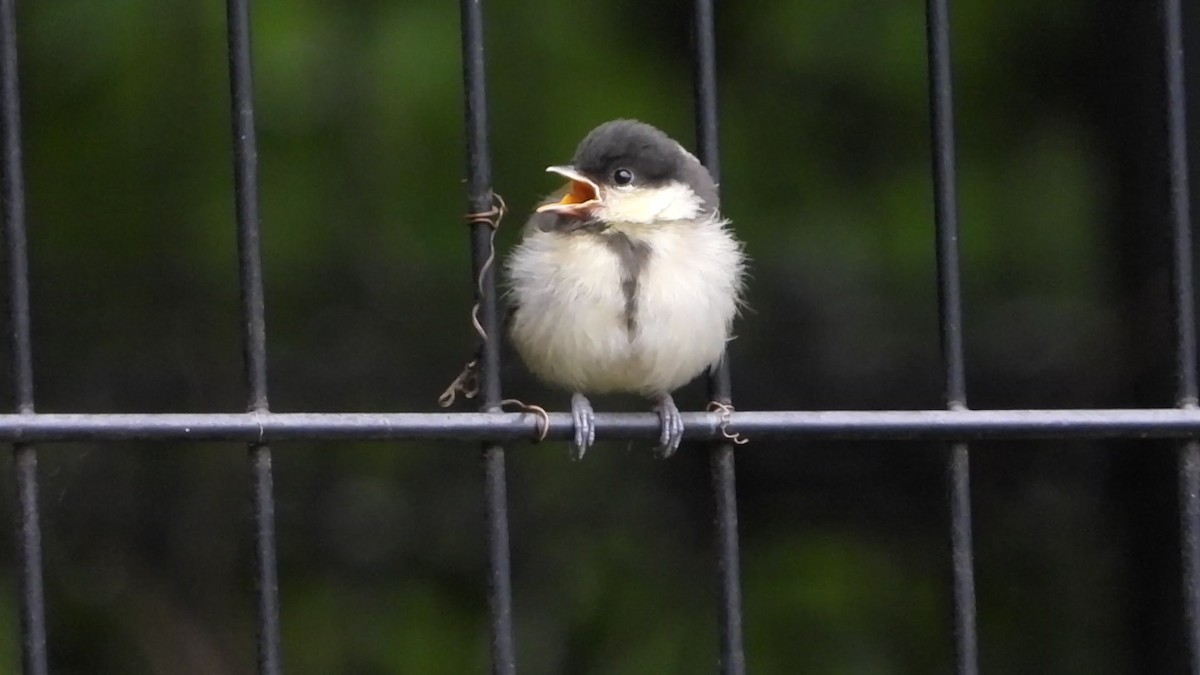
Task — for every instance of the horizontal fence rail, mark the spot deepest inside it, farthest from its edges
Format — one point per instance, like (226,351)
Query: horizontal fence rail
(899,425)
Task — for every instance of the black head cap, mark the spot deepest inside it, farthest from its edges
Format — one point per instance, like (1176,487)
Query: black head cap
(652,156)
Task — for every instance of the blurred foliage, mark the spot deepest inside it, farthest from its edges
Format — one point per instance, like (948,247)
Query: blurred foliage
(826,174)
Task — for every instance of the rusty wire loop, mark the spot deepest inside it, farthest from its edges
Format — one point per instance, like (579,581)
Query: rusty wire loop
(491,218)
(727,411)
(543,416)
(467,381)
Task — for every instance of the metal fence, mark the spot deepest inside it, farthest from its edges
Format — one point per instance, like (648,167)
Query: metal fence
(259,427)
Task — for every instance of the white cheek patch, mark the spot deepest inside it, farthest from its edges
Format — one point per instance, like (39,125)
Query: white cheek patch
(670,202)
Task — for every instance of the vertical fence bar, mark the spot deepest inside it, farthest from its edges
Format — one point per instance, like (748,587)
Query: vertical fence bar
(1189,515)
(28,524)
(480,200)
(950,313)
(254,352)
(729,585)
(1184,291)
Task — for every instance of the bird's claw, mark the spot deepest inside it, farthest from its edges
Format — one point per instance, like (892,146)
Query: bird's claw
(672,427)
(585,426)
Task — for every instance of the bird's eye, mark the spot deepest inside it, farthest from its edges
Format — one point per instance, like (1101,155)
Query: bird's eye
(622,176)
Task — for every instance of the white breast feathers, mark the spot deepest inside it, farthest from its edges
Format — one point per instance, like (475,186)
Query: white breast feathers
(572,324)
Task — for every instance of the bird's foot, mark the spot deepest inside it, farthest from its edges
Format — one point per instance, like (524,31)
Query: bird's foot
(672,427)
(585,426)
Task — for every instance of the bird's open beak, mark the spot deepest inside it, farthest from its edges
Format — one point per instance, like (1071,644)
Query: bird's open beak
(583,196)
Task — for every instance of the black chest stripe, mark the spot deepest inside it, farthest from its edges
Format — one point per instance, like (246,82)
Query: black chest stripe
(633,257)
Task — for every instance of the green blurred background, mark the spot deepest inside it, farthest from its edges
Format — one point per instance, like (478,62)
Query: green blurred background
(825,150)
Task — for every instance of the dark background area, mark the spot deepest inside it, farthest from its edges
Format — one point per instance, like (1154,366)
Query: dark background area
(826,175)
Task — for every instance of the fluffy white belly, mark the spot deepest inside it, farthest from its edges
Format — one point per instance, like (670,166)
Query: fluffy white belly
(570,323)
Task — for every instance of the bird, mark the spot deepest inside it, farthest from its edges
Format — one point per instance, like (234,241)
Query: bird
(627,279)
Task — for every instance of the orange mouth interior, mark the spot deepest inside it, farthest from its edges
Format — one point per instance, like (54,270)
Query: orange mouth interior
(580,193)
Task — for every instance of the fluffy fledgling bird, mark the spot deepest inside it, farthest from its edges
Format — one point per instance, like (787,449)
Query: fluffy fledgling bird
(627,279)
